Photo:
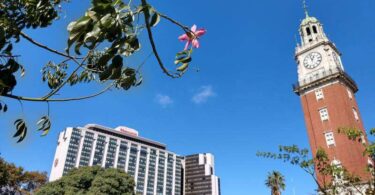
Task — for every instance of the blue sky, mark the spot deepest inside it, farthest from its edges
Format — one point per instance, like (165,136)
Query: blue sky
(240,101)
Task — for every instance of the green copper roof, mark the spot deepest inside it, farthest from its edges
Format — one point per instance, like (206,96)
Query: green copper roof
(309,19)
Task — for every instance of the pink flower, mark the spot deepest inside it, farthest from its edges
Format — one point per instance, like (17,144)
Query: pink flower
(192,37)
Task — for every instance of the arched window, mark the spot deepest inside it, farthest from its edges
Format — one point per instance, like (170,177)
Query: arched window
(338,174)
(336,163)
(315,30)
(308,31)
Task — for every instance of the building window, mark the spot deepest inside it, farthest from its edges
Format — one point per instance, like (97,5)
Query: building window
(315,30)
(323,114)
(329,139)
(308,31)
(355,114)
(111,153)
(350,94)
(319,94)
(338,176)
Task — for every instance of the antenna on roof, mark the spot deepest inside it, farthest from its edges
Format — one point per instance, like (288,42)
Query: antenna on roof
(305,8)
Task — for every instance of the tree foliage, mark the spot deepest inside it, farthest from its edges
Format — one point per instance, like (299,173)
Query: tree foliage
(357,135)
(91,180)
(15,179)
(334,177)
(276,182)
(101,38)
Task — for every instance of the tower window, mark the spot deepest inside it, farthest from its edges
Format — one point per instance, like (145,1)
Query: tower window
(323,114)
(355,114)
(329,139)
(319,94)
(338,176)
(308,31)
(350,94)
(315,30)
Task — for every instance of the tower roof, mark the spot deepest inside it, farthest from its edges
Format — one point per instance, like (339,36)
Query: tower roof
(308,20)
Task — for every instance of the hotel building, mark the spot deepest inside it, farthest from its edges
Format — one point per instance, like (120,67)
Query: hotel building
(154,169)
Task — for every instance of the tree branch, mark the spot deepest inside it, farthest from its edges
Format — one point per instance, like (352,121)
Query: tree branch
(53,92)
(45,47)
(151,39)
(57,100)
(185,28)
(9,56)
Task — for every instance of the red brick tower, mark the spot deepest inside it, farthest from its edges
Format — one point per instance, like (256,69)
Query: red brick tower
(328,99)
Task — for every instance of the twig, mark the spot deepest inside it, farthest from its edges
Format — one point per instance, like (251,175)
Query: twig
(20,98)
(144,62)
(185,28)
(45,47)
(48,109)
(151,38)
(9,56)
(53,92)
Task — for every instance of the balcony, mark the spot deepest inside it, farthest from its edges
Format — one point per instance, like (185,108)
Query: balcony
(323,76)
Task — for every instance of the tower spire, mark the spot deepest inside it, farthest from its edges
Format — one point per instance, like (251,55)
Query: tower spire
(305,8)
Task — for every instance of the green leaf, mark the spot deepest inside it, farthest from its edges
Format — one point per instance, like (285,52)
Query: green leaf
(114,70)
(13,65)
(183,67)
(23,71)
(92,37)
(155,19)
(185,59)
(76,29)
(21,130)
(8,49)
(77,47)
(372,131)
(105,75)
(44,124)
(106,21)
(139,81)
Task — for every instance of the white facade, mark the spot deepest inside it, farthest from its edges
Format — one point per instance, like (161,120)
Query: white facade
(60,155)
(317,57)
(156,170)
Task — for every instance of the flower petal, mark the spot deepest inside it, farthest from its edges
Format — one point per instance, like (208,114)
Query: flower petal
(183,37)
(195,43)
(200,32)
(194,28)
(187,45)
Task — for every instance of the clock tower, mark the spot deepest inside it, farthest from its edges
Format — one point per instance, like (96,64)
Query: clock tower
(327,94)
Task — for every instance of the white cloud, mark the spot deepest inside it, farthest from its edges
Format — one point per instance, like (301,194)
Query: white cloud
(163,100)
(203,94)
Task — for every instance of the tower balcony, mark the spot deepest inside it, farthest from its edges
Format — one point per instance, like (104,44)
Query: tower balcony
(322,77)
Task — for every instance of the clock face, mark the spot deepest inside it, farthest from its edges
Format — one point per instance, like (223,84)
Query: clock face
(312,60)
